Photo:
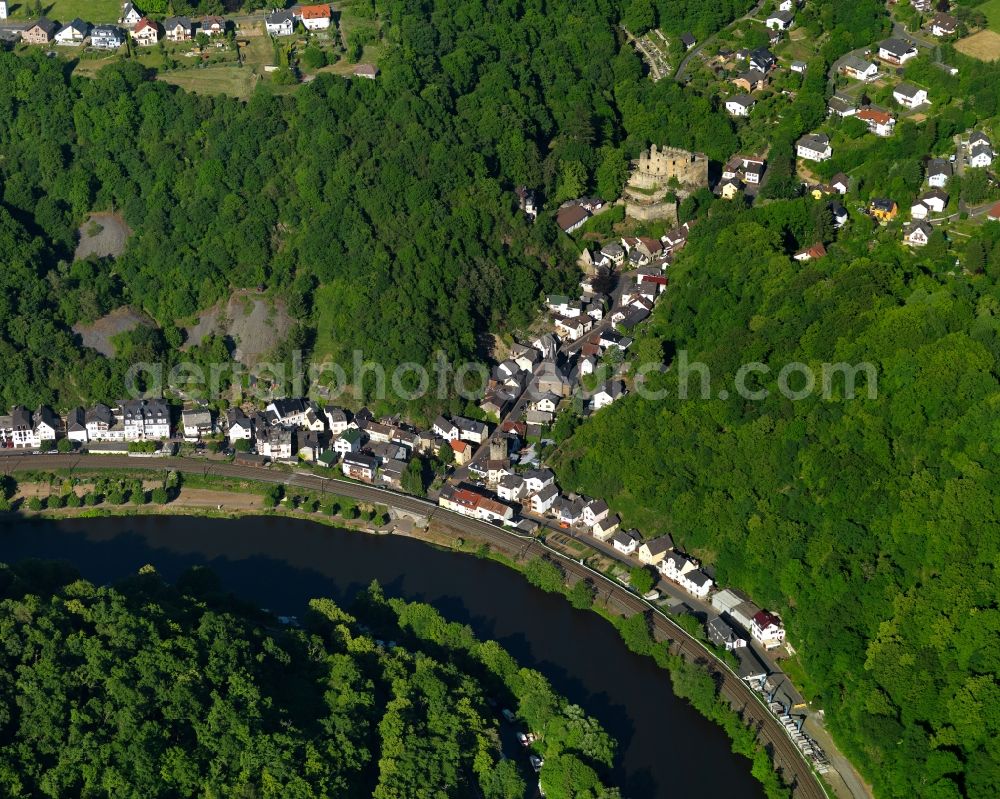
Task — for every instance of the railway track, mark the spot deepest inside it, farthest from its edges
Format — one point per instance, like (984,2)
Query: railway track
(788,760)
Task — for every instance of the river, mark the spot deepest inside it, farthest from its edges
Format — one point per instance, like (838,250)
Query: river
(666,749)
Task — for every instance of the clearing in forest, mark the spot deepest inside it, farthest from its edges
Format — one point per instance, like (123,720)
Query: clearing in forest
(984,45)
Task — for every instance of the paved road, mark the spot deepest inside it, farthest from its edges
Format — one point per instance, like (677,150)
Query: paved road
(788,760)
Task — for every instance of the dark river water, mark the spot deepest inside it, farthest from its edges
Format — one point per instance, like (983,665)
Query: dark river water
(665,748)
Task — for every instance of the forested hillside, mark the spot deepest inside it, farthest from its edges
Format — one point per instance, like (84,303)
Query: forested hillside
(368,206)
(872,525)
(143,689)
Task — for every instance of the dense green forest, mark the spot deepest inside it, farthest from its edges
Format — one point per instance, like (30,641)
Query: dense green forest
(872,525)
(144,689)
(369,207)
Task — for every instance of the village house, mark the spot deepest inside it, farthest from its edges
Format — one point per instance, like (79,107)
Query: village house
(461,451)
(359,467)
(909,96)
(445,429)
(542,501)
(942,24)
(99,420)
(315,18)
(896,51)
(197,423)
(238,425)
(740,105)
(624,541)
(607,394)
(17,430)
(840,183)
(277,443)
(811,253)
(106,37)
(879,122)
(980,150)
(762,59)
(76,428)
(385,451)
(348,442)
(799,67)
(567,511)
(573,328)
(130,15)
(614,252)
(42,32)
(73,34)
(537,479)
(938,173)
(934,200)
(309,446)
(280,23)
(526,202)
(45,425)
(766,628)
(688,40)
(390,473)
(917,234)
(213,26)
(840,216)
(145,419)
(882,209)
(814,147)
(841,106)
(722,635)
(779,20)
(730,188)
(290,411)
(859,69)
(993,215)
(146,33)
(366,71)
(510,487)
(594,511)
(571,217)
(378,433)
(604,528)
(652,552)
(336,419)
(751,80)
(178,29)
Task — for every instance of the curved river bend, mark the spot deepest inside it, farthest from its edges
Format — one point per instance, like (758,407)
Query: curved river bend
(666,749)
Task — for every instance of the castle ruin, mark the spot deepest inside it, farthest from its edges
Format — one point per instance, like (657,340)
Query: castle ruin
(663,171)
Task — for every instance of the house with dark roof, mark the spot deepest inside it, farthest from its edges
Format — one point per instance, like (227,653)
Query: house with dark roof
(896,51)
(571,217)
(280,23)
(73,34)
(42,32)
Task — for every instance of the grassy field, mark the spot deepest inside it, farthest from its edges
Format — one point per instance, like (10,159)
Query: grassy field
(232,80)
(991,8)
(984,45)
(68,10)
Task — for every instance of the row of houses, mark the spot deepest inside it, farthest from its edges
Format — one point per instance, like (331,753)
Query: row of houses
(131,420)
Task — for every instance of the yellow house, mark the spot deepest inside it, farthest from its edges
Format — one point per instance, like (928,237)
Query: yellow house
(730,189)
(883,210)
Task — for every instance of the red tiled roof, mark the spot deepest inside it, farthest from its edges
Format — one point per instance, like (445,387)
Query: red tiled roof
(876,116)
(994,213)
(315,12)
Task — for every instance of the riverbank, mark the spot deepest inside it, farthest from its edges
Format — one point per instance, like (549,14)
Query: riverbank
(517,551)
(693,683)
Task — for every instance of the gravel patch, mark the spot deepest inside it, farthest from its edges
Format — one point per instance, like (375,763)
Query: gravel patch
(103,235)
(97,335)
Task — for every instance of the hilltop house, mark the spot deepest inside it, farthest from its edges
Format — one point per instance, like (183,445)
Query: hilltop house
(909,96)
(879,122)
(814,147)
(106,37)
(315,18)
(942,24)
(917,234)
(780,20)
(178,29)
(280,23)
(980,150)
(130,15)
(859,69)
(73,34)
(740,105)
(938,173)
(572,217)
(42,32)
(896,51)
(146,33)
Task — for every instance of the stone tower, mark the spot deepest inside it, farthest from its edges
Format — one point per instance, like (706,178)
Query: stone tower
(498,448)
